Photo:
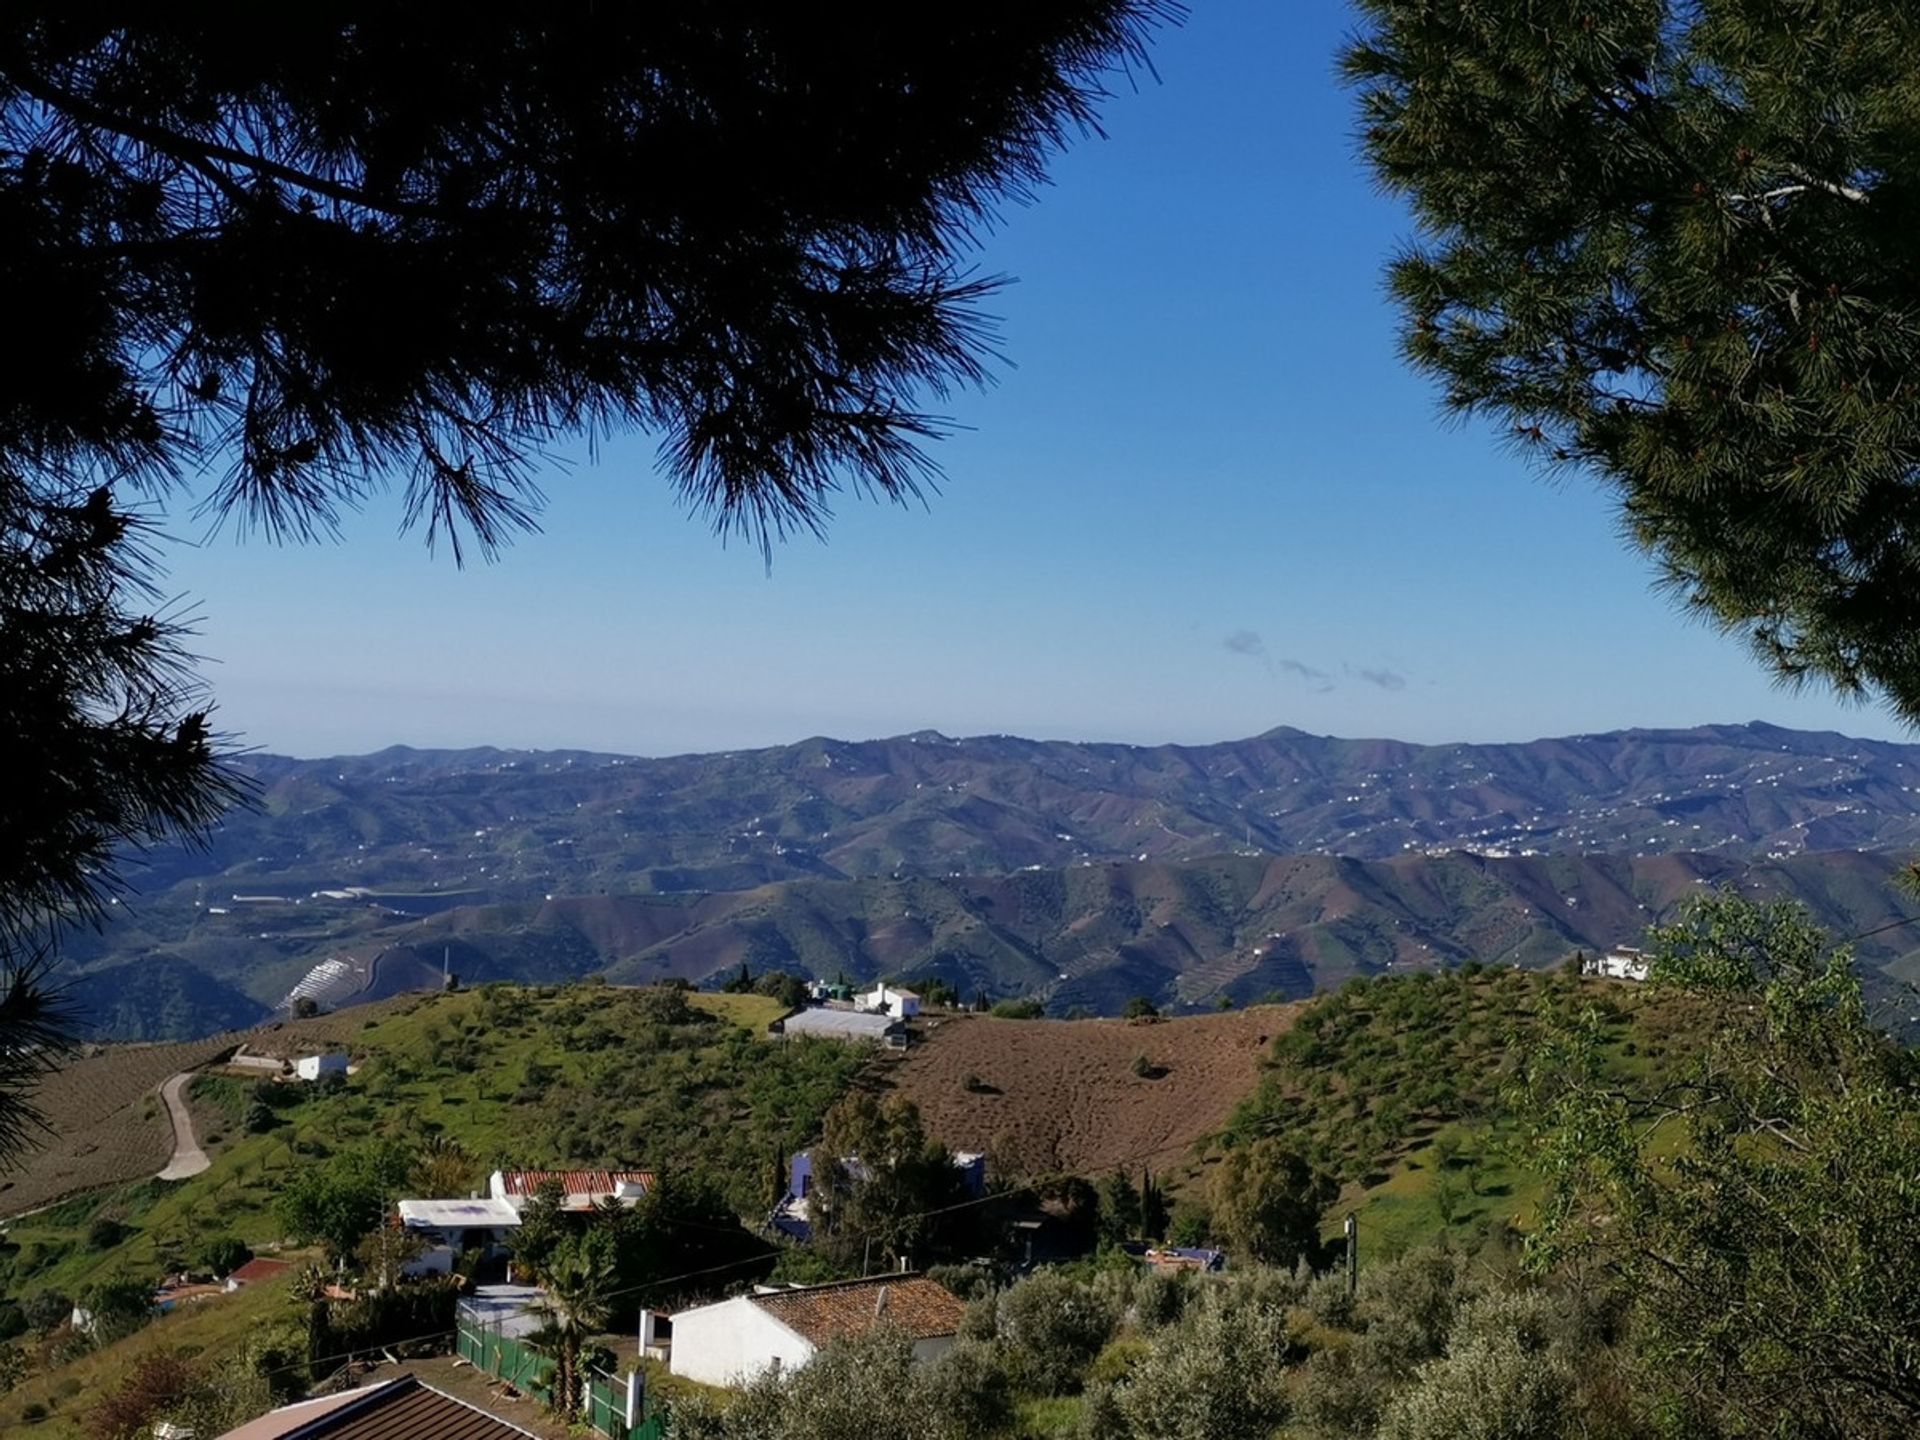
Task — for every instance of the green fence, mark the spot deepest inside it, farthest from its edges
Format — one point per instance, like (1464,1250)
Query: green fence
(607,1402)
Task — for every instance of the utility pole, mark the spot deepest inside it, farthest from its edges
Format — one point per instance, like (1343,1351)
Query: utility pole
(1353,1256)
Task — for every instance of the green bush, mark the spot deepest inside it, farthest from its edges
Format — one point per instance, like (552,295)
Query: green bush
(1501,1376)
(1052,1327)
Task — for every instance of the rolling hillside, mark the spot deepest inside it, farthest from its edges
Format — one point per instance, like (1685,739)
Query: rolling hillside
(1092,937)
(1001,863)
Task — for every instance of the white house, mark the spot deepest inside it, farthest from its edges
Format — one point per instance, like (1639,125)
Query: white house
(1622,962)
(890,1000)
(312,1067)
(450,1229)
(736,1341)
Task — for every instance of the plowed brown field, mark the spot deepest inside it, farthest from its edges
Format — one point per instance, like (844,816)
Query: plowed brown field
(1061,1095)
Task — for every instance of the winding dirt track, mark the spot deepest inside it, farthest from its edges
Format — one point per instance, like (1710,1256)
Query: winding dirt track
(188,1158)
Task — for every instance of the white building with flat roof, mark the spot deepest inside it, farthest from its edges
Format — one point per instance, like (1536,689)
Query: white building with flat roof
(890,1000)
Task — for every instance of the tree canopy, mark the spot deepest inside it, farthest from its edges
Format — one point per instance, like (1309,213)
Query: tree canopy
(316,254)
(1669,244)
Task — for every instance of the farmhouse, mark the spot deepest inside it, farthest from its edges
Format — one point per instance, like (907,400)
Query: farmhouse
(450,1230)
(890,1000)
(312,1067)
(1623,962)
(736,1341)
(849,1025)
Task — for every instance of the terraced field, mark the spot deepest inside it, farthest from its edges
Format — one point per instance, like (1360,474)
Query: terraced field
(1048,1096)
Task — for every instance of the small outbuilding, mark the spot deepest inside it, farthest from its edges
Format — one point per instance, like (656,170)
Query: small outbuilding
(312,1067)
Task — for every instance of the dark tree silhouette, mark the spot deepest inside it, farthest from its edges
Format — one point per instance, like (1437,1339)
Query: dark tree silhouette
(1671,244)
(321,251)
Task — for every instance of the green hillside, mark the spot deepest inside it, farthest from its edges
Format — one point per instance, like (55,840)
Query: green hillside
(1404,1090)
(581,1076)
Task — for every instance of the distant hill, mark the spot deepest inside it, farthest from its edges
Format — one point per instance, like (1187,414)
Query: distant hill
(1092,937)
(1007,863)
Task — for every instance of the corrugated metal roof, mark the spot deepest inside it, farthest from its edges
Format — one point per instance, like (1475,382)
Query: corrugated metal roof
(403,1409)
(839,1024)
(924,1308)
(260,1268)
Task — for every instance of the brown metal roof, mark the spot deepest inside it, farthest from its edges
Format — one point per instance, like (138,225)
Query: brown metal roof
(260,1267)
(924,1308)
(402,1409)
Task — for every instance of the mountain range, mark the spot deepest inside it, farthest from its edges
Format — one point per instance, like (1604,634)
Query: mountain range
(1081,873)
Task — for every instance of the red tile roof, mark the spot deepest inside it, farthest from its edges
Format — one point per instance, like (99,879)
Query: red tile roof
(259,1268)
(575,1182)
(924,1308)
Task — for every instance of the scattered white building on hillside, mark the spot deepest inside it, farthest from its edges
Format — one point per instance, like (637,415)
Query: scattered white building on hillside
(1623,962)
(890,1000)
(480,1226)
(736,1341)
(453,1230)
(312,1067)
(857,1025)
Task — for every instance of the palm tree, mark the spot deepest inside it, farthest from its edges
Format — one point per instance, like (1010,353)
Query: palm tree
(576,1279)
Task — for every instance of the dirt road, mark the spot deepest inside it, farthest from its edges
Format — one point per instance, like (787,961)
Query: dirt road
(188,1158)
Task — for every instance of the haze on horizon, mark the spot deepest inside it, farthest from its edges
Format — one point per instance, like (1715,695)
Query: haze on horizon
(1203,499)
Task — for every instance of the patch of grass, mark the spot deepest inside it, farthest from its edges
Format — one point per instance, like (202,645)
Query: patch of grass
(1044,1415)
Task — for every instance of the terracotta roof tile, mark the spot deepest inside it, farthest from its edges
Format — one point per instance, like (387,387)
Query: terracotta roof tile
(575,1182)
(924,1308)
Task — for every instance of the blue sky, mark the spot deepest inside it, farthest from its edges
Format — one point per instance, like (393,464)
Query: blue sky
(1206,499)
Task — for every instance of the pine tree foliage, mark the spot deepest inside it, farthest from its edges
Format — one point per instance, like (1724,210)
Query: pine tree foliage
(315,252)
(1669,243)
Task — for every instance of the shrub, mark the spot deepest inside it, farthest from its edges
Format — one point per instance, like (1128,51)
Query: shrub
(105,1232)
(1217,1376)
(1019,1010)
(1140,1007)
(1159,1298)
(1052,1328)
(224,1254)
(666,1005)
(46,1311)
(968,1389)
(1499,1377)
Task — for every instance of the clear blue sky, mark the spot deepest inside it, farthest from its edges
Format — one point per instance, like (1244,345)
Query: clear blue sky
(1206,500)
